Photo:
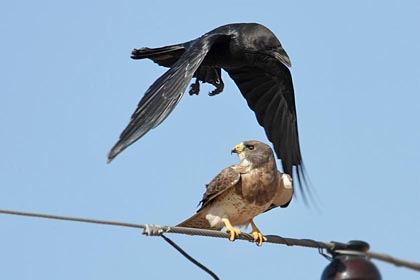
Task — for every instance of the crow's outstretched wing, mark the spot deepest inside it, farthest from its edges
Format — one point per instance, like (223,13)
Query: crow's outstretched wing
(165,93)
(269,93)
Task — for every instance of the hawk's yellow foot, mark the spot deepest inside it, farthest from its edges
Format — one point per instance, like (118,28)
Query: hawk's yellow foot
(234,232)
(256,233)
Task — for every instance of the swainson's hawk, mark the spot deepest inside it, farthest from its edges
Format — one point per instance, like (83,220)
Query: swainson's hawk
(253,57)
(243,191)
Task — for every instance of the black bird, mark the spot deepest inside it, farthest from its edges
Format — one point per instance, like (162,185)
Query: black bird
(252,56)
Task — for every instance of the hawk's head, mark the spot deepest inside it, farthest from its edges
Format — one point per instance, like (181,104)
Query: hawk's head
(254,153)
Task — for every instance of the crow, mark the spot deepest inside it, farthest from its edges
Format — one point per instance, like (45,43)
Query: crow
(253,57)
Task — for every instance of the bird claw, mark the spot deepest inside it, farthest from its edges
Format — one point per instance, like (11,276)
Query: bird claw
(219,88)
(194,88)
(258,238)
(234,232)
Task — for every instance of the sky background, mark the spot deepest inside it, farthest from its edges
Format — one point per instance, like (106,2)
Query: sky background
(68,88)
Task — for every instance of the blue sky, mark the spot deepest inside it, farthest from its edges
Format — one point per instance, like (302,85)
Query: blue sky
(69,87)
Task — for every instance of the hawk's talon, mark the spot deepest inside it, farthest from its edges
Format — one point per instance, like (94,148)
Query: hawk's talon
(234,232)
(258,238)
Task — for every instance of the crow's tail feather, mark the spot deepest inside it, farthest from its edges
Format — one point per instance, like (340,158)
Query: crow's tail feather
(164,56)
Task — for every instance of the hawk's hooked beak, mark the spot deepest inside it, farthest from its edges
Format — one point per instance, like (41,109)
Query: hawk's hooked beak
(238,149)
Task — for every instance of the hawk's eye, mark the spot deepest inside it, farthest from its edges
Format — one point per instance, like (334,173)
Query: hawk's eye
(251,147)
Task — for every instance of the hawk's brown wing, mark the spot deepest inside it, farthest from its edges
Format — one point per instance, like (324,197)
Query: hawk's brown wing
(226,179)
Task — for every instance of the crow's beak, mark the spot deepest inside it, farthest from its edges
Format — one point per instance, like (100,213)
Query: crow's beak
(280,54)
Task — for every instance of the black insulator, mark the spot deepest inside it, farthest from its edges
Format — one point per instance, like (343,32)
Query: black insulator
(351,263)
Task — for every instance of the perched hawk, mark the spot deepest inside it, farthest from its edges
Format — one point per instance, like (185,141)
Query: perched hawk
(253,57)
(243,191)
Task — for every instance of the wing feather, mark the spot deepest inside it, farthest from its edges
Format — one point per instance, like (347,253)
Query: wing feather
(225,180)
(165,93)
(271,96)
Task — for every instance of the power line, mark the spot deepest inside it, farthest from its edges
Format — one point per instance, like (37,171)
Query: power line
(157,230)
(191,259)
(151,228)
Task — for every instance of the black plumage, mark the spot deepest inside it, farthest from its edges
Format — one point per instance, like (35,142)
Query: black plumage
(253,57)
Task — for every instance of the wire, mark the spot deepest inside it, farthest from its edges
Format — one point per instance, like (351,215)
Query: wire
(157,230)
(393,260)
(66,218)
(152,229)
(191,259)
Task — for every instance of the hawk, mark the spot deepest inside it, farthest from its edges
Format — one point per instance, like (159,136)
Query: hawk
(253,57)
(243,191)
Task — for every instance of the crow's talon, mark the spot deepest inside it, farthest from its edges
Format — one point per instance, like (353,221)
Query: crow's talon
(194,88)
(216,91)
